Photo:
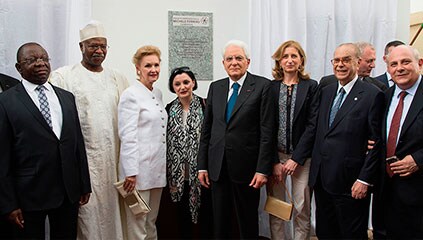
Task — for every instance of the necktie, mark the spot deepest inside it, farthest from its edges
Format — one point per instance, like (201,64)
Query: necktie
(232,100)
(44,106)
(393,131)
(336,106)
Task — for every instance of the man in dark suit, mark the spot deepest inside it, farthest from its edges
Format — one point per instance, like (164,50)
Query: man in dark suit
(7,82)
(378,203)
(44,166)
(366,65)
(402,134)
(237,147)
(385,78)
(344,116)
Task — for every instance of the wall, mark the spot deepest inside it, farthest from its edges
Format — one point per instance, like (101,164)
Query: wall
(141,22)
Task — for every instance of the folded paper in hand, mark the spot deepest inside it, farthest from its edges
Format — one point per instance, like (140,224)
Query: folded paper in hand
(135,202)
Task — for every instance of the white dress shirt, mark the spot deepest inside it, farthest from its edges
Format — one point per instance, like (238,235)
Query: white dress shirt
(231,82)
(53,101)
(394,103)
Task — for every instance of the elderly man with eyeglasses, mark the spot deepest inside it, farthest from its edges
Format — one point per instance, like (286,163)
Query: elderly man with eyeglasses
(97,91)
(344,116)
(44,169)
(367,57)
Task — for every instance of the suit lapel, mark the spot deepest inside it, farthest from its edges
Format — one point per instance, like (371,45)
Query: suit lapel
(388,100)
(352,99)
(66,110)
(3,84)
(415,108)
(301,95)
(24,97)
(222,87)
(246,90)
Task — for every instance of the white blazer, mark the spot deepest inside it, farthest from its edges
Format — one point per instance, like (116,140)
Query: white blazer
(142,125)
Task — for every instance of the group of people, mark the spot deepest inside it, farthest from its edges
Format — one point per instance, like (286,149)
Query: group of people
(69,135)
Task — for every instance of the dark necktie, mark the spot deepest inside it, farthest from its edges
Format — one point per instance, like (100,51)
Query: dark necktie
(393,131)
(336,106)
(232,100)
(44,106)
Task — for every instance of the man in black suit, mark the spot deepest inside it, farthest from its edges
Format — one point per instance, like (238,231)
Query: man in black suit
(344,116)
(366,65)
(403,140)
(44,166)
(378,203)
(385,78)
(237,147)
(7,82)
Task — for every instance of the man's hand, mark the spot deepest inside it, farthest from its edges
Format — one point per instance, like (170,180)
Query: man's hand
(258,180)
(370,144)
(84,199)
(289,167)
(204,179)
(16,217)
(359,190)
(404,167)
(130,183)
(278,174)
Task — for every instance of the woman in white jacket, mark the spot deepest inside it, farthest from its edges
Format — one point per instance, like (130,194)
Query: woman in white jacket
(142,131)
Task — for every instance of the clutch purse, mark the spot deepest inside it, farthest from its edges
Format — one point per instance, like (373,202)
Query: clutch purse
(277,207)
(134,200)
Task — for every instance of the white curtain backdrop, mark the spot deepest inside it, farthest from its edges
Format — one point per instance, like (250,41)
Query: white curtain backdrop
(54,24)
(319,26)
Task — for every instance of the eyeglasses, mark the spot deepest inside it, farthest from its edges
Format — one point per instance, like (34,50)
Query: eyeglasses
(31,61)
(95,47)
(344,60)
(238,58)
(180,70)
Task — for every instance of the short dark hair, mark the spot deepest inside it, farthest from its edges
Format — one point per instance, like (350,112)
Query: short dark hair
(21,48)
(178,71)
(393,43)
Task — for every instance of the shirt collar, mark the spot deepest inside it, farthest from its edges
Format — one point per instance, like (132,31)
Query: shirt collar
(240,81)
(411,91)
(348,86)
(29,86)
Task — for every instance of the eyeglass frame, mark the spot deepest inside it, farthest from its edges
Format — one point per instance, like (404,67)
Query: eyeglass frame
(344,60)
(95,47)
(30,61)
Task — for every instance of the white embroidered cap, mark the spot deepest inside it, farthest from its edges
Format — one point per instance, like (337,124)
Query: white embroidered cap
(94,29)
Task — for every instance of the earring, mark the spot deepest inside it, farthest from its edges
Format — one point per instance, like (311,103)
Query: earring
(138,72)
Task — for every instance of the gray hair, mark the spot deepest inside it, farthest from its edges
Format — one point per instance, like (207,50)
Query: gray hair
(363,45)
(353,46)
(237,43)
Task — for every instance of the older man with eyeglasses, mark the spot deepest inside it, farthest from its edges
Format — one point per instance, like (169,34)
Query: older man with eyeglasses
(97,91)
(367,57)
(344,116)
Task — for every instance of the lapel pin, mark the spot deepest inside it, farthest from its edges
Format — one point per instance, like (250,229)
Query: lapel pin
(355,99)
(248,90)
